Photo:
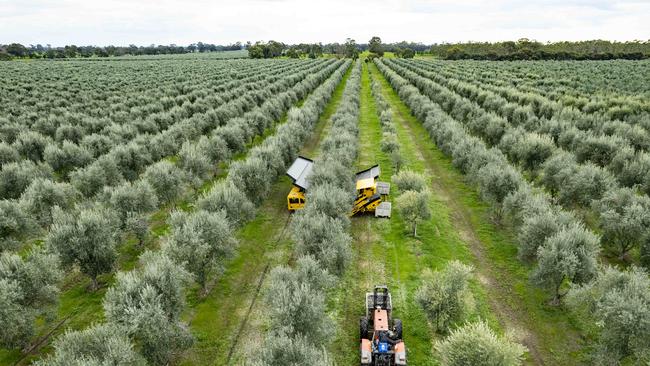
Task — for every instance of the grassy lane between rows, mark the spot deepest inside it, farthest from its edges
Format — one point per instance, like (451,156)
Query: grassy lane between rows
(502,289)
(231,318)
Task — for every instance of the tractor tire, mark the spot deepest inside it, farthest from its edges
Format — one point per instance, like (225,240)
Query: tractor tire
(363,328)
(398,328)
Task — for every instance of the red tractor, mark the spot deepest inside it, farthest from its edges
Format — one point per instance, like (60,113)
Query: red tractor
(381,335)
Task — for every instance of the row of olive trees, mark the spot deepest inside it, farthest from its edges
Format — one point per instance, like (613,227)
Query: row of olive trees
(557,95)
(565,251)
(145,304)
(87,236)
(79,105)
(572,128)
(389,143)
(164,181)
(102,158)
(197,159)
(22,217)
(299,326)
(624,216)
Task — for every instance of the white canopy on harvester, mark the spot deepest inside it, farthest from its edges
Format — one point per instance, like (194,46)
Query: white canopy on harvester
(300,170)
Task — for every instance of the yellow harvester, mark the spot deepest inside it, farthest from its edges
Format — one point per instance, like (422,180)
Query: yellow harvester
(371,194)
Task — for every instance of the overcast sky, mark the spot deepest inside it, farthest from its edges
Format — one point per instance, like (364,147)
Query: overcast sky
(143,22)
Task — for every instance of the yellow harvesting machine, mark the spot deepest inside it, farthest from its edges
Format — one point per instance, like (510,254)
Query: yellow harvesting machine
(371,194)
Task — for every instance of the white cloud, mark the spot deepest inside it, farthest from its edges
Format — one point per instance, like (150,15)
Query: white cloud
(122,22)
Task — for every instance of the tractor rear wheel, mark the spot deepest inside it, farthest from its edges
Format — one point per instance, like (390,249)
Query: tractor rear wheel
(398,328)
(363,328)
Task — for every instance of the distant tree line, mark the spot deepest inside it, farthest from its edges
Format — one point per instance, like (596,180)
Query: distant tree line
(522,49)
(525,49)
(17,50)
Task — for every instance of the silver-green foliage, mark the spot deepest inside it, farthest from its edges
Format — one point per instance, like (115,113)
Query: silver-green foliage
(99,345)
(296,305)
(27,287)
(87,238)
(201,242)
(43,194)
(166,179)
(408,180)
(138,197)
(283,350)
(147,304)
(618,303)
(414,207)
(225,196)
(569,255)
(477,344)
(15,222)
(443,295)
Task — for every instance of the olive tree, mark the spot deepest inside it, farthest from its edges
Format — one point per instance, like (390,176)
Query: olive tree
(283,350)
(569,255)
(138,225)
(296,301)
(443,294)
(496,182)
(166,179)
(618,302)
(27,288)
(91,179)
(538,227)
(8,154)
(31,145)
(624,219)
(86,238)
(43,194)
(66,158)
(138,197)
(533,150)
(15,222)
(194,161)
(324,238)
(252,177)
(477,344)
(16,177)
(225,196)
(131,159)
(414,207)
(408,180)
(147,302)
(102,344)
(200,241)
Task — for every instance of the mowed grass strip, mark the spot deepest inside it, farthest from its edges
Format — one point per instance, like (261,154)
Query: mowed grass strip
(216,320)
(518,308)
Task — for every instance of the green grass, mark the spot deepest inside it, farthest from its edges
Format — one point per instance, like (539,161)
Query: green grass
(518,306)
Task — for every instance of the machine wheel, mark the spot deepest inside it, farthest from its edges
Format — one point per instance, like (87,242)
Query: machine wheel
(398,328)
(363,328)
